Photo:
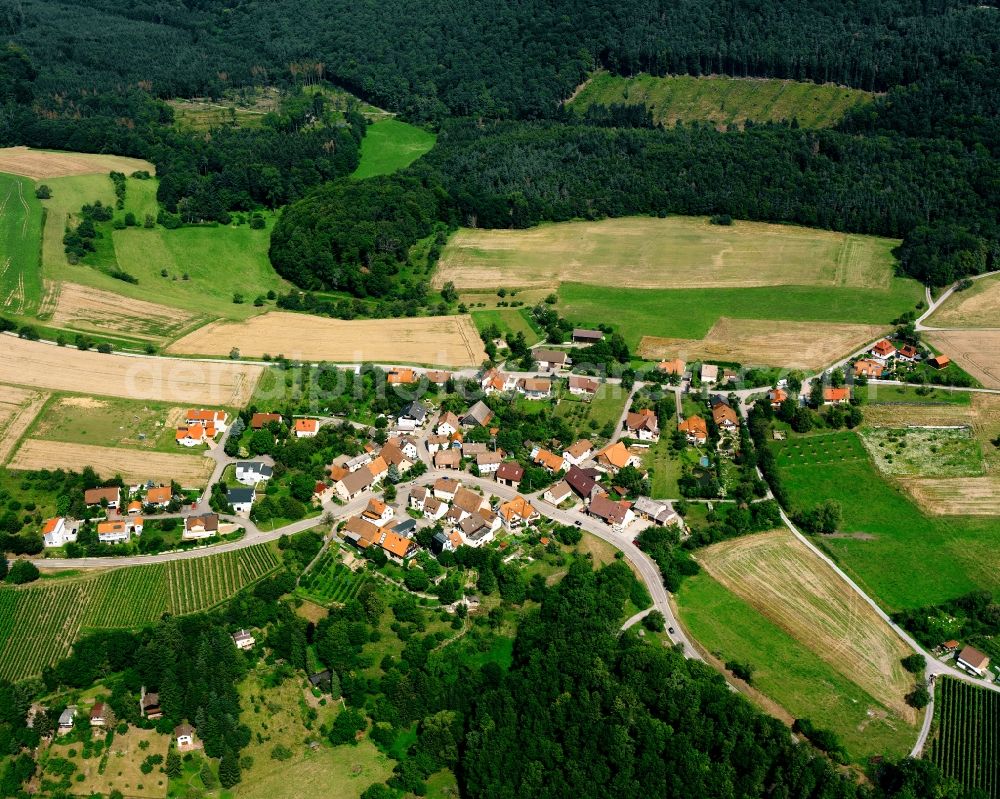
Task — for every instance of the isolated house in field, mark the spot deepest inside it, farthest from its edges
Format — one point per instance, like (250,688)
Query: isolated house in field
(159,496)
(551,360)
(204,526)
(411,416)
(214,419)
(241,499)
(578,452)
(56,532)
(974,661)
(868,368)
(836,396)
(695,429)
(94,496)
(261,420)
(243,640)
(479,415)
(584,336)
(776,397)
(510,474)
(66,718)
(583,386)
(558,493)
(98,714)
(252,472)
(939,361)
(149,705)
(883,350)
(305,428)
(194,435)
(709,373)
(353,484)
(643,425)
(616,514)
(725,418)
(447,424)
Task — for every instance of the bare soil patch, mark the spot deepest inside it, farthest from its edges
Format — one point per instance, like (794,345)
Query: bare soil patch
(959,496)
(437,340)
(976,351)
(783,580)
(978,306)
(133,465)
(805,345)
(38,164)
(47,366)
(85,308)
(18,407)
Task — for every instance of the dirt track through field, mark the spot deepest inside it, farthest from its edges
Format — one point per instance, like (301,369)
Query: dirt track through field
(437,340)
(191,471)
(18,407)
(803,345)
(39,164)
(784,581)
(46,366)
(976,351)
(85,308)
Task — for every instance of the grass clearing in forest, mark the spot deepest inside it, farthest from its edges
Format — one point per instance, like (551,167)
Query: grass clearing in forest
(390,145)
(722,100)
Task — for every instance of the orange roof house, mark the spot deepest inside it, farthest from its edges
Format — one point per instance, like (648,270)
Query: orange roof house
(549,460)
(306,427)
(259,420)
(868,368)
(883,349)
(777,396)
(615,456)
(206,418)
(674,367)
(517,512)
(939,361)
(724,416)
(695,428)
(836,396)
(159,495)
(396,545)
(401,377)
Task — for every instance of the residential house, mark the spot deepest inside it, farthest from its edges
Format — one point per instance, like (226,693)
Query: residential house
(401,377)
(518,513)
(378,469)
(355,463)
(883,350)
(510,473)
(149,705)
(445,488)
(974,661)
(447,424)
(489,462)
(396,547)
(476,532)
(159,496)
(243,640)
(134,507)
(205,525)
(447,459)
(836,396)
(66,718)
(441,542)
(584,336)
(252,472)
(118,531)
(184,736)
(305,428)
(535,387)
(551,360)
(578,452)
(558,493)
(110,495)
(617,514)
(907,353)
(473,449)
(725,418)
(582,483)
(939,361)
(549,461)
(98,714)
(394,456)
(437,377)
(674,367)
(360,532)
(643,425)
(583,386)
(411,416)
(776,397)
(407,445)
(353,484)
(468,502)
(868,368)
(493,380)
(377,512)
(658,512)
(194,435)
(56,532)
(241,499)
(435,509)
(695,428)
(434,443)
(214,419)
(616,456)
(418,496)
(261,420)
(407,528)
(709,373)
(479,415)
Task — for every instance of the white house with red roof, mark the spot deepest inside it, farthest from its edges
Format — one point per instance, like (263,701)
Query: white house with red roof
(305,428)
(883,350)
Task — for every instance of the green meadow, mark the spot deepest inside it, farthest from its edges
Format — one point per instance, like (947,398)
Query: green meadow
(509,320)
(20,230)
(390,145)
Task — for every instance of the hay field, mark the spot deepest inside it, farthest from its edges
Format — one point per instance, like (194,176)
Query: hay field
(976,351)
(46,366)
(915,415)
(39,164)
(20,229)
(92,309)
(18,407)
(804,345)
(438,340)
(775,574)
(978,306)
(675,253)
(958,496)
(133,465)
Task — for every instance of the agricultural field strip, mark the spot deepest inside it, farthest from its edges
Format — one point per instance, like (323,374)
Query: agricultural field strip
(967,744)
(39,164)
(18,409)
(976,351)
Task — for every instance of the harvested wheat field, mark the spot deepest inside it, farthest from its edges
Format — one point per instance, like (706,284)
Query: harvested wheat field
(38,164)
(978,306)
(957,496)
(85,308)
(18,407)
(676,252)
(434,340)
(783,580)
(191,471)
(804,345)
(976,351)
(46,366)
(918,415)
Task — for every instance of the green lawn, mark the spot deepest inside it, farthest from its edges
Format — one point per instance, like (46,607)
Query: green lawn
(690,313)
(593,417)
(665,469)
(787,672)
(509,320)
(723,100)
(20,229)
(897,554)
(878,394)
(390,145)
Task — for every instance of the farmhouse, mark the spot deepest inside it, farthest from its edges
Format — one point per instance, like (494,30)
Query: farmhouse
(583,386)
(401,377)
(939,361)
(535,388)
(661,513)
(558,493)
(510,474)
(583,336)
(868,368)
(159,496)
(447,459)
(725,417)
(776,397)
(551,360)
(111,496)
(836,396)
(411,416)
(616,456)
(616,515)
(583,484)
(643,425)
(674,367)
(208,419)
(204,526)
(578,452)
(695,428)
(518,513)
(306,428)
(883,350)
(261,420)
(974,661)
(56,533)
(709,373)
(241,499)
(252,472)
(194,435)
(447,424)
(243,640)
(479,415)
